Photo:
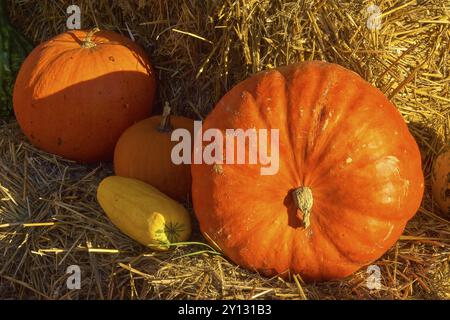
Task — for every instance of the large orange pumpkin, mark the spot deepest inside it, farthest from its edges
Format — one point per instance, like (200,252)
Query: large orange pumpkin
(144,152)
(349,175)
(76,93)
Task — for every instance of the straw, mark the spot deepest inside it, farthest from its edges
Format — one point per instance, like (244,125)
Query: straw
(49,217)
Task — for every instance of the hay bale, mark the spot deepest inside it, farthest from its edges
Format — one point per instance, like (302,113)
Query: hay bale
(49,218)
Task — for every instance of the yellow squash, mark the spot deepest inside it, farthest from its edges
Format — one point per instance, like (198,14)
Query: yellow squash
(143,212)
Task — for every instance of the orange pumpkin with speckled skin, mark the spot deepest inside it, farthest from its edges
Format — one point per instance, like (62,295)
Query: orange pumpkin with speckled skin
(340,139)
(74,96)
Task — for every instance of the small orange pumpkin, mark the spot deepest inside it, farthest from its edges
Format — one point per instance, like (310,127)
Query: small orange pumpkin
(76,93)
(441,180)
(144,150)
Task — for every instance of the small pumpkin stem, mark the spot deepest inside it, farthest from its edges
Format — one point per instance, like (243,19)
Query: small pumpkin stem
(165,125)
(303,199)
(87,42)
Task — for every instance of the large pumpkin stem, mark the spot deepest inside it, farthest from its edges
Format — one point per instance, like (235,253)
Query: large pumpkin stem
(87,42)
(303,199)
(165,125)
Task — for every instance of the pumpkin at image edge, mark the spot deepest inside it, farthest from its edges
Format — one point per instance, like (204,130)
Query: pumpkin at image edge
(441,181)
(349,175)
(76,93)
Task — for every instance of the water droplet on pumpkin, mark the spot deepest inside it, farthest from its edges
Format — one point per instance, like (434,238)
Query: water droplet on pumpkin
(349,160)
